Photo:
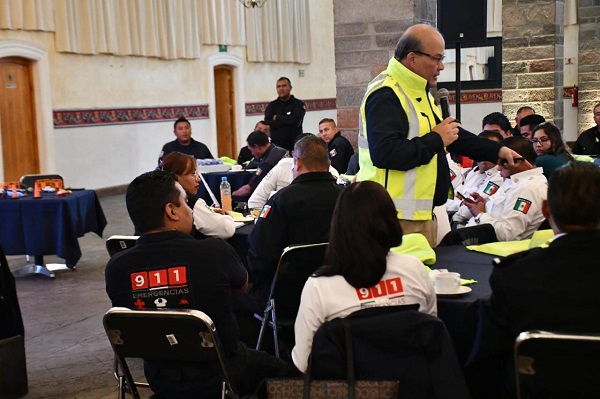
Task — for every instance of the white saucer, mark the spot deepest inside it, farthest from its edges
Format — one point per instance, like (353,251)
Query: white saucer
(244,219)
(461,291)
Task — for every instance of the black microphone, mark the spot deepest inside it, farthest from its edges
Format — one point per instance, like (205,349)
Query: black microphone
(443,99)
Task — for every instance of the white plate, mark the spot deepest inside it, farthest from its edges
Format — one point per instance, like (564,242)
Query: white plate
(461,291)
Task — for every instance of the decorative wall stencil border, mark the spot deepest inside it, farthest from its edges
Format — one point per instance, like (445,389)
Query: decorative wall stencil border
(311,105)
(479,96)
(107,116)
(93,117)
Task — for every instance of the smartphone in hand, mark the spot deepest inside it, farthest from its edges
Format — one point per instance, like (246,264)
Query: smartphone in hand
(462,197)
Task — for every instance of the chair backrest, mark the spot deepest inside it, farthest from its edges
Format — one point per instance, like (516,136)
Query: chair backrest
(557,365)
(164,335)
(118,243)
(29,180)
(296,264)
(392,343)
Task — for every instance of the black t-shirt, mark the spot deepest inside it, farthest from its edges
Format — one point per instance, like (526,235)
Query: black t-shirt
(172,269)
(195,148)
(288,124)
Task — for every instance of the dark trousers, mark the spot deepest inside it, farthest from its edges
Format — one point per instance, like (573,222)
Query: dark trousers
(473,235)
(247,368)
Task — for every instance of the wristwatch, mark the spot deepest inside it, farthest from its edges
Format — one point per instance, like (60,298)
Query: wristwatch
(478,218)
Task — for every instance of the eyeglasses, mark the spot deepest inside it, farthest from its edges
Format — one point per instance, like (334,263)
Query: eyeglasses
(541,140)
(438,59)
(504,162)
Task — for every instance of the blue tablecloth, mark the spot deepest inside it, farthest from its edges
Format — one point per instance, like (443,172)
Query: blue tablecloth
(235,179)
(50,225)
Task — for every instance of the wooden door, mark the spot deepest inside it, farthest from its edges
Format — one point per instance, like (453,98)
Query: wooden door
(17,119)
(225,111)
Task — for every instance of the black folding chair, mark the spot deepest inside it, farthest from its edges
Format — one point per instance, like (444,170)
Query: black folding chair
(114,245)
(118,243)
(181,335)
(296,264)
(557,365)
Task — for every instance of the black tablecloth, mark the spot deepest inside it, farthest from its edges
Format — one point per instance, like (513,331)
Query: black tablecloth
(235,179)
(459,314)
(50,225)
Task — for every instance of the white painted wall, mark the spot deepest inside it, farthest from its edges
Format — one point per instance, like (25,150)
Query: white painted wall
(104,156)
(472,114)
(112,155)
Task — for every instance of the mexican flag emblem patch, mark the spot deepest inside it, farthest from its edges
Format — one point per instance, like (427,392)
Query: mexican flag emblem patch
(265,211)
(491,188)
(522,205)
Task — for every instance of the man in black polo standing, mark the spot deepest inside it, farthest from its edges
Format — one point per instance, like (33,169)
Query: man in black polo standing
(285,115)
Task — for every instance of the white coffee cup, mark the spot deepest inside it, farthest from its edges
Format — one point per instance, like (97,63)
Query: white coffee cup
(448,282)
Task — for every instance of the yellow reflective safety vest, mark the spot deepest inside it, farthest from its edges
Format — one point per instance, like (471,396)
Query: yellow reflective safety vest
(412,190)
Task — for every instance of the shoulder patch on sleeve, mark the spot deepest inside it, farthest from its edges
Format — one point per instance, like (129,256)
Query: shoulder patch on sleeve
(491,188)
(452,175)
(332,153)
(265,211)
(258,172)
(522,205)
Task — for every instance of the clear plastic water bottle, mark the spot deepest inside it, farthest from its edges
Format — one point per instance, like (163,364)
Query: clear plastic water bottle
(225,189)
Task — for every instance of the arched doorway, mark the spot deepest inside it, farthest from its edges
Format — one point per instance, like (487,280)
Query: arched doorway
(37,57)
(236,65)
(225,111)
(18,128)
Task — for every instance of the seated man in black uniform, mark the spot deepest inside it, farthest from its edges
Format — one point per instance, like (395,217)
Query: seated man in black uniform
(266,155)
(207,273)
(245,155)
(297,214)
(553,288)
(184,143)
(340,149)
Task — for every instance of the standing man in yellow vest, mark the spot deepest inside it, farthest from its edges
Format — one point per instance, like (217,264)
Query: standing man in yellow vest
(402,135)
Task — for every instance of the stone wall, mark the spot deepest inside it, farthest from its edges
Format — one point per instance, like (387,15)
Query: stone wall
(589,61)
(532,57)
(365,36)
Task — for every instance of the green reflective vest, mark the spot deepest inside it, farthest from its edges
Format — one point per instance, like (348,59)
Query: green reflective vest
(412,190)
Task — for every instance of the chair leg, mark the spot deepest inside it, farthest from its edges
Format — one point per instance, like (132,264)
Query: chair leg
(122,388)
(275,337)
(265,322)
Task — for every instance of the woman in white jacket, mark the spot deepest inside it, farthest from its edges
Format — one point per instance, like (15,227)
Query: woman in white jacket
(360,271)
(207,223)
